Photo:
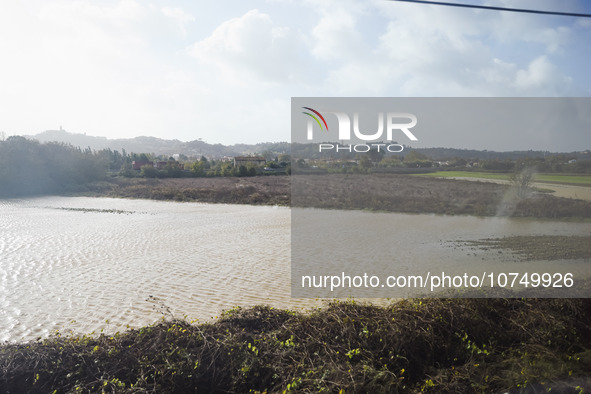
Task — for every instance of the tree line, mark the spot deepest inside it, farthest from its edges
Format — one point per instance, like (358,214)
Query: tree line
(415,160)
(203,167)
(28,167)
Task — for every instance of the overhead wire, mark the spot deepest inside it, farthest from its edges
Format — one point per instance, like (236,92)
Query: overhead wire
(485,7)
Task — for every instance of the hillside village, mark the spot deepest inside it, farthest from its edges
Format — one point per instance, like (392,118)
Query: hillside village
(173,158)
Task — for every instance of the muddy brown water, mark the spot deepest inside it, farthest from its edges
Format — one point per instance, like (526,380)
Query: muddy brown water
(90,264)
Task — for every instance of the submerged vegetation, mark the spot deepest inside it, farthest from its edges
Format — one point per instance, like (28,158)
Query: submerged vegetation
(94,210)
(430,345)
(539,247)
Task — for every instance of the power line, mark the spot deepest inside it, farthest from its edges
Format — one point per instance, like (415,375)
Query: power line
(498,8)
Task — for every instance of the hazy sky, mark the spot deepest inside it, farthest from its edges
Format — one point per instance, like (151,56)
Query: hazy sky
(225,71)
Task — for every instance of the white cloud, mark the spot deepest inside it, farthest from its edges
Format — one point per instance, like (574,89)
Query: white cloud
(180,18)
(87,66)
(510,28)
(429,50)
(251,45)
(125,67)
(337,37)
(416,53)
(541,77)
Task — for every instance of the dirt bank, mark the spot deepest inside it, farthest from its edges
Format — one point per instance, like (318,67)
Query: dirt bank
(262,190)
(404,193)
(383,192)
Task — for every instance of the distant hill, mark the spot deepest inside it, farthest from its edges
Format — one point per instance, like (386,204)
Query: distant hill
(199,148)
(159,146)
(79,140)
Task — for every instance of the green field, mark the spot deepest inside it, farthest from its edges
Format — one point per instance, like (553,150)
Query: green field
(580,180)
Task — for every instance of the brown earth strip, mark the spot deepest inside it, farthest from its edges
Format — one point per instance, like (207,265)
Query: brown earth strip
(403,193)
(378,192)
(263,190)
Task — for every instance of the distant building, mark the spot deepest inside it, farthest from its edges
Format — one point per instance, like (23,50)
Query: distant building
(244,160)
(138,164)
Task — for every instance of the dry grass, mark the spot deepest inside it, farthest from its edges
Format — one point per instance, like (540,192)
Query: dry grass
(262,190)
(380,192)
(431,345)
(403,193)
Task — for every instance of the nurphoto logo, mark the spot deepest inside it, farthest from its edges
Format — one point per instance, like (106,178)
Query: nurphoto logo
(392,121)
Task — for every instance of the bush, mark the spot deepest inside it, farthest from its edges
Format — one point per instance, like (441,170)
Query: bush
(148,172)
(430,345)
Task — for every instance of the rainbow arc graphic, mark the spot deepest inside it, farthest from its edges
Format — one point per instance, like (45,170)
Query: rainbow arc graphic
(315,118)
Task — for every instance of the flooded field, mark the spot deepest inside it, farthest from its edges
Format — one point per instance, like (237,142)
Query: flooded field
(91,264)
(413,248)
(86,263)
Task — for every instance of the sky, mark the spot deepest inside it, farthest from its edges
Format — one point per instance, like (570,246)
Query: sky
(553,124)
(225,71)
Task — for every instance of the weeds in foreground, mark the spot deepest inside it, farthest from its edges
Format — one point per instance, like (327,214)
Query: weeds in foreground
(431,345)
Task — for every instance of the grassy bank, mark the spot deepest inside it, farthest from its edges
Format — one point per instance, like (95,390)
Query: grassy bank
(461,345)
